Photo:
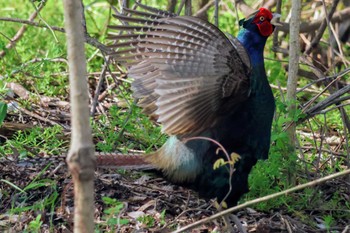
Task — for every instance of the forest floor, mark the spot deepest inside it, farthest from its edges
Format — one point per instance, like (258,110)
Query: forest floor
(145,204)
(34,87)
(39,197)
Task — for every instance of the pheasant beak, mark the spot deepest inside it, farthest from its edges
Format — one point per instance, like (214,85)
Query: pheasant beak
(274,19)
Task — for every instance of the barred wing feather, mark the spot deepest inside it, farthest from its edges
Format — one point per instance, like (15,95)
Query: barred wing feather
(185,70)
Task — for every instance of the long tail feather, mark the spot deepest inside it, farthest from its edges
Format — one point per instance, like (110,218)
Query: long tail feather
(104,160)
(123,161)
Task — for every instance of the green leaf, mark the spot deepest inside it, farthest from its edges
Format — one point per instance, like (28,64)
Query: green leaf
(235,157)
(109,201)
(123,221)
(3,111)
(13,185)
(218,163)
(162,218)
(117,221)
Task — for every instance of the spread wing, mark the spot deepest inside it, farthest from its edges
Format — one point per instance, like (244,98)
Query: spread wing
(186,71)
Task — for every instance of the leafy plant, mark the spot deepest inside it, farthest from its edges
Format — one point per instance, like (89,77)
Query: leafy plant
(35,225)
(162,217)
(46,203)
(234,158)
(38,140)
(148,220)
(111,214)
(111,131)
(328,222)
(38,63)
(3,111)
(276,173)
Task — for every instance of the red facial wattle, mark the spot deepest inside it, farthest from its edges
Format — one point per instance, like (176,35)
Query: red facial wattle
(262,20)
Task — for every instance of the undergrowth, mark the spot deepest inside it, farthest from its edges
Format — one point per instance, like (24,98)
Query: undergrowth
(285,169)
(38,62)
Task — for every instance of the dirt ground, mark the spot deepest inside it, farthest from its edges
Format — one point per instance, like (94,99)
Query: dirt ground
(166,206)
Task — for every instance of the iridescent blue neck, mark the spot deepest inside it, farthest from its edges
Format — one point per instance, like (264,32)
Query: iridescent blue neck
(254,43)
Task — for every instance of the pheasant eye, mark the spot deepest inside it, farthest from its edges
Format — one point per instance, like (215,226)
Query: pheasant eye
(262,18)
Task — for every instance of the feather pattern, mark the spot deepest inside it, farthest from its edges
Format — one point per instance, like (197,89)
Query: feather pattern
(183,68)
(197,81)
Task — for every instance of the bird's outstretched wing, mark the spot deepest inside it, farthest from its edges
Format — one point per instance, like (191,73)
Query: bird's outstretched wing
(185,69)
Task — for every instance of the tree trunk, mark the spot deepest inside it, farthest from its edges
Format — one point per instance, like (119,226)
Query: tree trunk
(293,68)
(188,7)
(199,5)
(80,159)
(171,5)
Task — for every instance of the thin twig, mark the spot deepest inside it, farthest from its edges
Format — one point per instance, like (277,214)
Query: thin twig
(322,28)
(41,19)
(171,6)
(188,7)
(323,150)
(332,99)
(339,16)
(216,13)
(262,199)
(337,106)
(180,7)
(329,78)
(21,31)
(99,86)
(204,8)
(90,40)
(32,114)
(221,147)
(275,33)
(29,22)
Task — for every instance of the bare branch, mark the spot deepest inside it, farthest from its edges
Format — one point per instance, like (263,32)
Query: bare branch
(21,31)
(216,13)
(188,7)
(339,16)
(171,5)
(181,6)
(294,48)
(203,6)
(81,159)
(262,199)
(90,40)
(322,28)
(332,99)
